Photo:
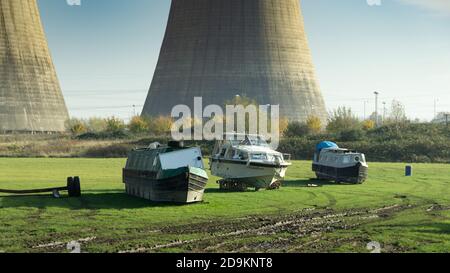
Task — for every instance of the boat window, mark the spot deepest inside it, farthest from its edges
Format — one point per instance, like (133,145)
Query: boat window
(229,153)
(246,142)
(235,154)
(259,156)
(234,140)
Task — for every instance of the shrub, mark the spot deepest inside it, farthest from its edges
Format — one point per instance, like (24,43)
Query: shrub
(161,125)
(114,124)
(96,125)
(138,125)
(415,151)
(368,124)
(351,135)
(76,126)
(314,125)
(297,129)
(111,151)
(104,135)
(284,124)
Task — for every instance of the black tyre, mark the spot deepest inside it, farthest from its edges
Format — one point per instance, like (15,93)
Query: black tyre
(77,187)
(242,187)
(73,186)
(70,185)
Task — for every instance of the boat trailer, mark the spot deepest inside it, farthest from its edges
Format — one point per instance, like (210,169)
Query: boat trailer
(73,187)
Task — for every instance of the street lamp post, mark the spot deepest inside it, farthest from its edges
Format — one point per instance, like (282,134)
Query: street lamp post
(435,108)
(376,108)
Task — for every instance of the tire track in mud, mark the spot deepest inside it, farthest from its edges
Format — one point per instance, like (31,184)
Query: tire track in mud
(420,186)
(311,197)
(331,200)
(223,237)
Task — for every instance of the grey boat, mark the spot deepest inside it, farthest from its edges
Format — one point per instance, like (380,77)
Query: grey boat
(339,165)
(166,173)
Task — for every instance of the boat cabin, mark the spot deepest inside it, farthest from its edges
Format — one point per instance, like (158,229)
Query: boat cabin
(245,147)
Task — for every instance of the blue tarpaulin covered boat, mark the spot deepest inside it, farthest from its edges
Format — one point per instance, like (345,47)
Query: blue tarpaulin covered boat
(326,145)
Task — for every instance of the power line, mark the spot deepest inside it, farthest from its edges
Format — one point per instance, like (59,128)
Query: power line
(107,107)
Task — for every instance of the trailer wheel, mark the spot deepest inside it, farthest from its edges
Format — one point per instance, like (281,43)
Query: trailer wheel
(242,187)
(222,185)
(77,187)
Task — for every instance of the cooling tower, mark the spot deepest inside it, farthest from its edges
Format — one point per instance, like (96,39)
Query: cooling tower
(30,95)
(217,49)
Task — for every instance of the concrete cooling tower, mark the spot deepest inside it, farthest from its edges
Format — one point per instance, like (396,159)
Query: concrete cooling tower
(217,49)
(30,95)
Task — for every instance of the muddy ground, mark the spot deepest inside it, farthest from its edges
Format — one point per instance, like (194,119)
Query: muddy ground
(310,230)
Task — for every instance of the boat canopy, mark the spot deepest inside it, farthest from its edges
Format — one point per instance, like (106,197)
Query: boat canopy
(326,145)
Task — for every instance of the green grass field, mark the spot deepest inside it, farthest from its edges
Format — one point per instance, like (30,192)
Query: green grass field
(403,214)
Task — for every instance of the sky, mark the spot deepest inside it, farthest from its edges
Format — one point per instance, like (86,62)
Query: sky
(105,53)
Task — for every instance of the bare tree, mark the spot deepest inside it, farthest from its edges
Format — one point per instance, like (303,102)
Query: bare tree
(341,119)
(397,114)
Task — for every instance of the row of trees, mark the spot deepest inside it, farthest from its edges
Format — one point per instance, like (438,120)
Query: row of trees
(113,125)
(341,121)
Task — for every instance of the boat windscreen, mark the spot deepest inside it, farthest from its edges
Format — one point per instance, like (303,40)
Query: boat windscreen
(254,141)
(247,140)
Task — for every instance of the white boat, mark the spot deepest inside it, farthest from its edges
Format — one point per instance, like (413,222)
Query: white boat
(245,161)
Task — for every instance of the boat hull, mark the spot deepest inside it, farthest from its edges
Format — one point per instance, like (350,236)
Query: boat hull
(254,175)
(179,186)
(356,174)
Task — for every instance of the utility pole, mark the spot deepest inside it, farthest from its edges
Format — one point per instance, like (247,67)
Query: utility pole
(376,108)
(435,108)
(384,111)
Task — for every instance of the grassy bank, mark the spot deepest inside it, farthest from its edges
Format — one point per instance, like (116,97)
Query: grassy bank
(330,218)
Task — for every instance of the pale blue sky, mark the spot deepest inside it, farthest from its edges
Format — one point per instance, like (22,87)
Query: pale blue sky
(105,52)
